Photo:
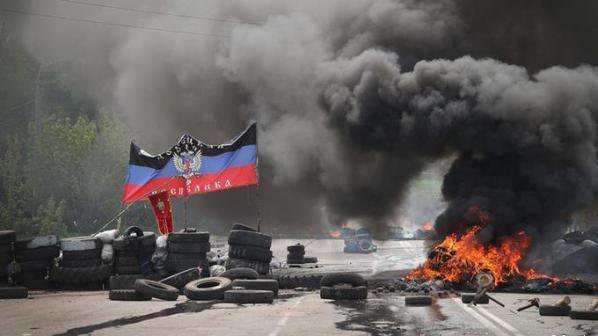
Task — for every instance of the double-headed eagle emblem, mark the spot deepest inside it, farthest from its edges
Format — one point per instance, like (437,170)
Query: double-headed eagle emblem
(188,164)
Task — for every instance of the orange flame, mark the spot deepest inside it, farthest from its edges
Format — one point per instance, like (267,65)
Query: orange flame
(335,234)
(459,259)
(428,226)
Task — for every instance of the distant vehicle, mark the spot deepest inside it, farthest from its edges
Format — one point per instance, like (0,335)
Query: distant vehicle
(359,241)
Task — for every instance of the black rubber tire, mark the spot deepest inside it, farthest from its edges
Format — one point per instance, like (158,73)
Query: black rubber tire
(124,270)
(189,247)
(242,227)
(5,249)
(258,239)
(13,292)
(310,260)
(185,257)
(240,273)
(468,298)
(133,229)
(127,295)
(42,253)
(156,289)
(584,315)
(294,256)
(125,281)
(550,310)
(80,275)
(418,300)
(188,237)
(259,284)
(207,289)
(182,265)
(311,281)
(36,265)
(80,263)
(82,255)
(22,277)
(296,249)
(126,261)
(250,253)
(295,261)
(129,252)
(148,240)
(179,280)
(7,237)
(344,293)
(330,280)
(5,258)
(39,284)
(242,296)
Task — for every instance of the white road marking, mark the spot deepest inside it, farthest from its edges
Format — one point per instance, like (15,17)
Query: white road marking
(480,318)
(283,320)
(504,324)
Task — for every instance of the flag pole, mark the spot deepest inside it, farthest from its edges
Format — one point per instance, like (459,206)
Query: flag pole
(257,186)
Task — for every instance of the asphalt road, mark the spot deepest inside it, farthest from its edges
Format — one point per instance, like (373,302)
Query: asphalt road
(294,312)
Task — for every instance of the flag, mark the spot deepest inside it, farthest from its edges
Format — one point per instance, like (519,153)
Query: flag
(192,167)
(161,204)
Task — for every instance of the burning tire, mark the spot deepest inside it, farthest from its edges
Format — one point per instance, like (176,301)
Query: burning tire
(418,300)
(344,293)
(549,310)
(333,279)
(156,289)
(250,253)
(468,298)
(249,238)
(127,295)
(240,273)
(584,315)
(248,296)
(260,284)
(208,288)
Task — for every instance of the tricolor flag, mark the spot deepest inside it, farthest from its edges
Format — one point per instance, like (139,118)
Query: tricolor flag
(192,167)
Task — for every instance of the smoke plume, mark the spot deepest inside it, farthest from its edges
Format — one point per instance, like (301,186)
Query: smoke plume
(353,98)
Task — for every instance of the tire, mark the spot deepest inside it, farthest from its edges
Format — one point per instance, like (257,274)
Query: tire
(549,310)
(133,229)
(240,273)
(242,227)
(295,261)
(207,289)
(176,257)
(182,265)
(330,280)
(42,253)
(36,265)
(468,298)
(584,315)
(294,281)
(248,296)
(124,270)
(128,252)
(240,237)
(13,292)
(188,247)
(259,284)
(80,263)
(127,295)
(250,253)
(5,258)
(310,260)
(39,284)
(80,244)
(125,281)
(22,277)
(80,275)
(346,293)
(82,255)
(37,242)
(189,237)
(148,240)
(296,249)
(126,261)
(179,280)
(418,300)
(156,289)
(7,237)
(258,266)
(296,255)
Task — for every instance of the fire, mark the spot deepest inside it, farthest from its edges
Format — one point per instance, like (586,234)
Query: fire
(428,226)
(460,258)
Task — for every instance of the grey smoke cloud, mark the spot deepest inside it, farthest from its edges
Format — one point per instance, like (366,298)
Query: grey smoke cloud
(352,99)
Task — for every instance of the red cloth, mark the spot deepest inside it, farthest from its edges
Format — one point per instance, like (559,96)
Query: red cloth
(161,204)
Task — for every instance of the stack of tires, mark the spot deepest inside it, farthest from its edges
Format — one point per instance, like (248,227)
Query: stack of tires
(132,257)
(248,248)
(35,257)
(297,256)
(343,286)
(81,265)
(7,238)
(187,249)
